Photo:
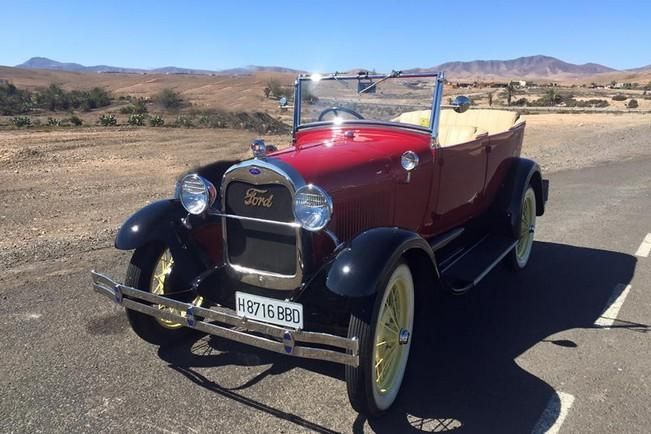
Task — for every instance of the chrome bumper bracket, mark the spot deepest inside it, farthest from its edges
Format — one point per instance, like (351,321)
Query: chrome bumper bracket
(231,326)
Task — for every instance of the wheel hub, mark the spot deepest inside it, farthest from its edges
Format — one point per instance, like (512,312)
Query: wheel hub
(403,337)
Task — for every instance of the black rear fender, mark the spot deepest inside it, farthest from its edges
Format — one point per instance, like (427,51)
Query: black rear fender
(523,173)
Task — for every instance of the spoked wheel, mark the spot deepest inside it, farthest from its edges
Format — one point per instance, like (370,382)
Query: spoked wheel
(149,269)
(384,335)
(519,256)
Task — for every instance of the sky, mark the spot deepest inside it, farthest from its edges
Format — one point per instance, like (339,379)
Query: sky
(323,35)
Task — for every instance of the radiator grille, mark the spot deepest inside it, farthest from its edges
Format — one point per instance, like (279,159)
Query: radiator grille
(258,245)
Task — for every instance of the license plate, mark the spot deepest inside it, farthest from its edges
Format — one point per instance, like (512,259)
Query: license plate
(269,310)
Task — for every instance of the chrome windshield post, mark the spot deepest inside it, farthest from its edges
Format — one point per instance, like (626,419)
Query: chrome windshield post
(297,105)
(436,107)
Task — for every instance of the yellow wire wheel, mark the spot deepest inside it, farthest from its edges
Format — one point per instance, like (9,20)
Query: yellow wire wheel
(392,341)
(161,272)
(522,250)
(384,334)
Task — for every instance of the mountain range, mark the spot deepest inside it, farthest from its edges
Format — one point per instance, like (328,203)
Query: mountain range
(45,63)
(541,67)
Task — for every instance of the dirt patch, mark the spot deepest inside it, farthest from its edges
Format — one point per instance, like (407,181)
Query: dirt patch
(63,194)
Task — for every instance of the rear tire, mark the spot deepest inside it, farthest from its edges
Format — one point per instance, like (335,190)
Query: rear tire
(145,261)
(384,335)
(519,256)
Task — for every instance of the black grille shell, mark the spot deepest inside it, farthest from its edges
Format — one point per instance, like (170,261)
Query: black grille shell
(259,245)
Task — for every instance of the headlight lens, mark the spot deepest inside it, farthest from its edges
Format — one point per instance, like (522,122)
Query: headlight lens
(196,193)
(312,207)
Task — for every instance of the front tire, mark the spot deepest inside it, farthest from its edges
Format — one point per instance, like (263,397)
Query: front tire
(519,256)
(384,335)
(148,270)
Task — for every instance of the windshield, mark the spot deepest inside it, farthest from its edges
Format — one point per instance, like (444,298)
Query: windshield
(375,97)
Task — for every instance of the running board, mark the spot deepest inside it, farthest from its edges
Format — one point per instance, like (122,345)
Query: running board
(471,266)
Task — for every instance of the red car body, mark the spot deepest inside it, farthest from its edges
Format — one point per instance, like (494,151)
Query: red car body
(342,230)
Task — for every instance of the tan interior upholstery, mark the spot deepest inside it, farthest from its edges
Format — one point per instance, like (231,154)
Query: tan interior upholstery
(455,128)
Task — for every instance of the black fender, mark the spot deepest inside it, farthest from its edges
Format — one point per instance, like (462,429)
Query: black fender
(161,222)
(364,263)
(213,172)
(524,172)
(155,222)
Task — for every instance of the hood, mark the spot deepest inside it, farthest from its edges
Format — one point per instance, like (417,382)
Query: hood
(340,158)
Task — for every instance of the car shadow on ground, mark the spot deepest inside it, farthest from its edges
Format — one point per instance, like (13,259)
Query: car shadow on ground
(462,375)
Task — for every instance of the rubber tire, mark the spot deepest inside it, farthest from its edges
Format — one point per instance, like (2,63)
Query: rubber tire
(512,260)
(359,380)
(139,273)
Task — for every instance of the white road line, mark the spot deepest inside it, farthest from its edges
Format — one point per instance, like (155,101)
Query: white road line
(645,248)
(555,413)
(613,306)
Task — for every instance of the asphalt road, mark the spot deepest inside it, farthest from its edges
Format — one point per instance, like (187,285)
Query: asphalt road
(520,353)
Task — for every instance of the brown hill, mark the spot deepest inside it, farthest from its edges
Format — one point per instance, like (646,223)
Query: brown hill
(236,93)
(539,67)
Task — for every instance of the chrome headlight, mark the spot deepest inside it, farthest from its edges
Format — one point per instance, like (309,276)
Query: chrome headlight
(312,207)
(196,194)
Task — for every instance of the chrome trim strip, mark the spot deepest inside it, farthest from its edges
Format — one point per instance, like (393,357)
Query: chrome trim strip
(445,267)
(271,171)
(497,261)
(349,123)
(253,219)
(109,288)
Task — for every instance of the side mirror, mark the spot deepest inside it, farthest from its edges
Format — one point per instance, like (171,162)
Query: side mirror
(283,101)
(461,103)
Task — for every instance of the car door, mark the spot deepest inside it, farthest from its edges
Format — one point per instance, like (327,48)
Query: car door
(501,149)
(461,182)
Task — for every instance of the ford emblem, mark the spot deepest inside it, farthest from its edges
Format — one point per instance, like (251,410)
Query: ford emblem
(254,171)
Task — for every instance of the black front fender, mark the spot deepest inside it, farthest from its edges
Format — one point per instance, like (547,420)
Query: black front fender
(364,264)
(155,222)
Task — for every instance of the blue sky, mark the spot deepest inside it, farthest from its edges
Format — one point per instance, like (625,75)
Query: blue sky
(323,35)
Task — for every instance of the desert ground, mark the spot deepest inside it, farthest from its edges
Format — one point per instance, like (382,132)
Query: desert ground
(518,354)
(65,192)
(70,363)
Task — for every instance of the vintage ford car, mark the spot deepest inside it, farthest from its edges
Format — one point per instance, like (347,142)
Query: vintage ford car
(324,249)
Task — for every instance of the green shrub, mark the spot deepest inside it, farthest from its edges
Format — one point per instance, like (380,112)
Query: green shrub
(170,99)
(205,120)
(183,121)
(108,120)
(137,119)
(21,121)
(138,107)
(53,122)
(156,121)
(54,98)
(14,101)
(632,104)
(620,97)
(75,120)
(275,88)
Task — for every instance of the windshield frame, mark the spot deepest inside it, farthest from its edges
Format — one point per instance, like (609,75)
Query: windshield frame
(437,96)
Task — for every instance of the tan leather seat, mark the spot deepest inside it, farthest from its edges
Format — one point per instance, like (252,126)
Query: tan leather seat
(455,128)
(493,121)
(452,135)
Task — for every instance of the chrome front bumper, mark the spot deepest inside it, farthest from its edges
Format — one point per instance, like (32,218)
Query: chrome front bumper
(235,328)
